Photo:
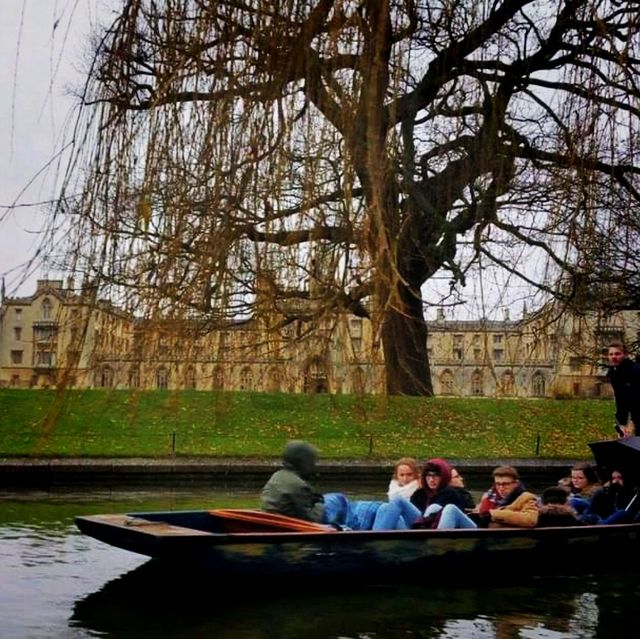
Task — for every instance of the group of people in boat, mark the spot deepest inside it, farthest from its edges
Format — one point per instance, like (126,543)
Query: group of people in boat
(434,496)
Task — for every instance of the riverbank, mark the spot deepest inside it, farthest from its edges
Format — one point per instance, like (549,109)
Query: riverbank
(120,471)
(157,424)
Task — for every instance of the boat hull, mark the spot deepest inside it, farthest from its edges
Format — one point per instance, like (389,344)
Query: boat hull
(198,539)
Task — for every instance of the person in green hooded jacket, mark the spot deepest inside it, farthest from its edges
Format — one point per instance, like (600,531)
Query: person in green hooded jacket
(288,491)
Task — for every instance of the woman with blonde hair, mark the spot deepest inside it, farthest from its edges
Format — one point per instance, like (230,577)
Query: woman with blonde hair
(405,479)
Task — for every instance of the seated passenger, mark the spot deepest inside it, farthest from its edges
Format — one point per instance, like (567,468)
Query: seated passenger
(457,483)
(609,503)
(406,478)
(423,509)
(287,492)
(582,483)
(341,512)
(507,503)
(555,509)
(453,516)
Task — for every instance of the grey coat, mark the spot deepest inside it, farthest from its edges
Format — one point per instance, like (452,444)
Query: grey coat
(288,492)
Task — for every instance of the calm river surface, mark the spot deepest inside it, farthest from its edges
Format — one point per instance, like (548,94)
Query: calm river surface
(54,582)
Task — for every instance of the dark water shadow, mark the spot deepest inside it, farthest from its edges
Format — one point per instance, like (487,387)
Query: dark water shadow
(155,601)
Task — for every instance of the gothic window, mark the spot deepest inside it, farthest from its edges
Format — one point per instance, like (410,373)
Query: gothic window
(477,386)
(508,383)
(274,381)
(538,384)
(315,379)
(162,378)
(190,378)
(134,378)
(446,382)
(246,379)
(218,378)
(359,381)
(105,379)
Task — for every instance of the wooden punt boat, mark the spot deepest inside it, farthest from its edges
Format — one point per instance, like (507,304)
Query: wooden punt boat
(238,543)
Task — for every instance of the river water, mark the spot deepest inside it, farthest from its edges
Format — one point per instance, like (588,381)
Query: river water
(55,582)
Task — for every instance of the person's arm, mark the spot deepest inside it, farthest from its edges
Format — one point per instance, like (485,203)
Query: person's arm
(523,513)
(306,504)
(486,504)
(634,408)
(621,398)
(449,495)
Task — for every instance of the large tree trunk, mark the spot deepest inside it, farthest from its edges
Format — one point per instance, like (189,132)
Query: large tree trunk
(404,339)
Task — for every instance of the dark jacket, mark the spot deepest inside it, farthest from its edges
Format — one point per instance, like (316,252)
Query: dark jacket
(625,381)
(446,494)
(557,515)
(287,492)
(607,500)
(466,497)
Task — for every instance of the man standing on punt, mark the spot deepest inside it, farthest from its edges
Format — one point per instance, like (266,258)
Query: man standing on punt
(624,377)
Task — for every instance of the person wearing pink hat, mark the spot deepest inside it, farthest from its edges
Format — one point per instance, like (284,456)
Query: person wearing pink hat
(422,509)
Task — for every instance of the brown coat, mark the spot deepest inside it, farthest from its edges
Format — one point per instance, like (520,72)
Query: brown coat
(522,513)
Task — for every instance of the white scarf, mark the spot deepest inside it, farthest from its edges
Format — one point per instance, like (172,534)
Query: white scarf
(405,491)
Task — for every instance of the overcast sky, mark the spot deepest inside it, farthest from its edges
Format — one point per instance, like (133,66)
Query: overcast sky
(43,44)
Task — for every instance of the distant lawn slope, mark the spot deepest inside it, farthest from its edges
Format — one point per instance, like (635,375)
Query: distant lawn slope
(160,423)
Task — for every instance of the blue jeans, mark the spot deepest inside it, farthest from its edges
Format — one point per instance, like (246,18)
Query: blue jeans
(452,517)
(398,514)
(618,517)
(354,515)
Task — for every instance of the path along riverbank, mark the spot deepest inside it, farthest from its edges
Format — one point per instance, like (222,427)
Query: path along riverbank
(47,472)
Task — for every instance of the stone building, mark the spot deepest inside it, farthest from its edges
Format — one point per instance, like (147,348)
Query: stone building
(552,353)
(57,336)
(63,336)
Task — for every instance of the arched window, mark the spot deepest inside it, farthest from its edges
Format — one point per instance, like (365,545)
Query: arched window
(446,382)
(105,378)
(47,308)
(162,378)
(217,383)
(315,378)
(477,386)
(246,379)
(508,383)
(538,385)
(134,377)
(274,380)
(190,378)
(359,381)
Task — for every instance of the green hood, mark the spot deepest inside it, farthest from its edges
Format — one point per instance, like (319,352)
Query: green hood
(300,457)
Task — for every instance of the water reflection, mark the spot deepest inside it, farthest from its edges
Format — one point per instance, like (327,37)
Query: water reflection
(191,607)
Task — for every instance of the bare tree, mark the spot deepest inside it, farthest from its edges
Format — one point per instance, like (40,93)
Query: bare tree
(302,157)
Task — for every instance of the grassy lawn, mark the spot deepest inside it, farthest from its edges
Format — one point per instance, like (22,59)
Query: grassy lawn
(160,423)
